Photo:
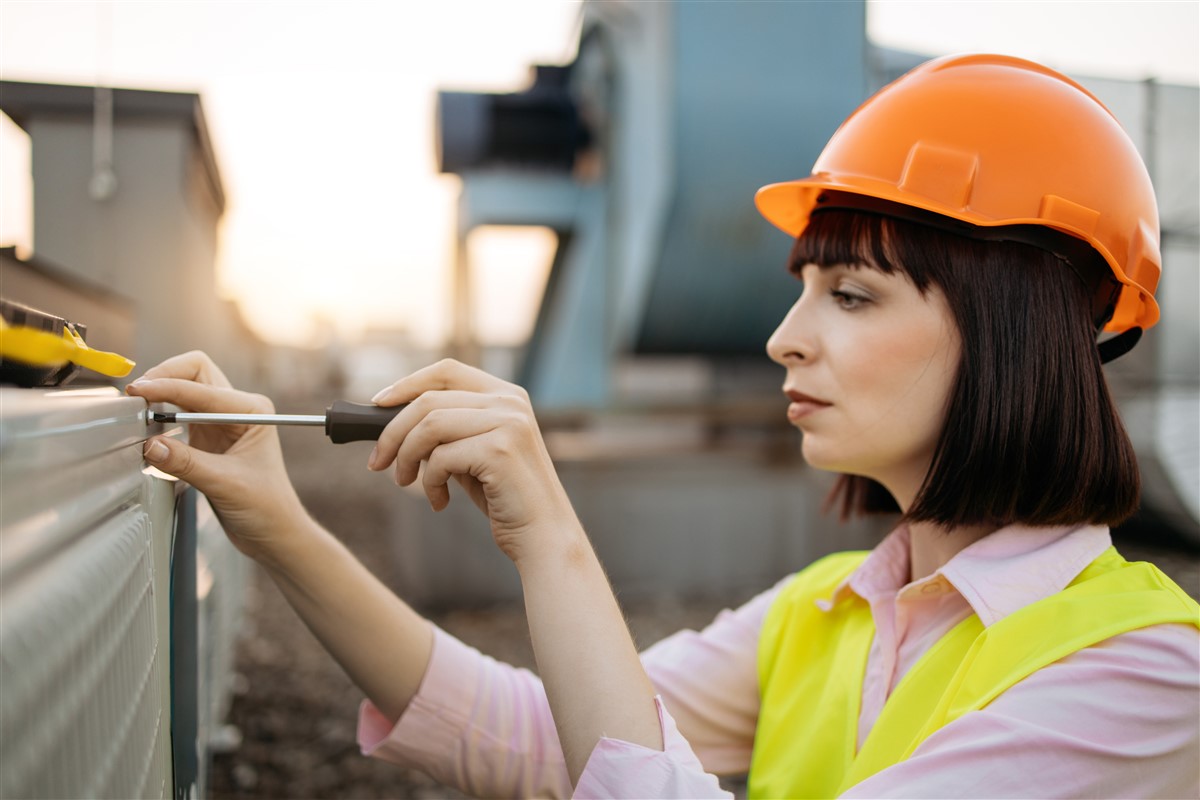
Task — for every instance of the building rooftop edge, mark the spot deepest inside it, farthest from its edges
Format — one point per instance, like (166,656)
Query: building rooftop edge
(23,100)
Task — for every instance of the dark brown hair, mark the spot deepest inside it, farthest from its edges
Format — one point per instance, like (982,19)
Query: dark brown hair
(1032,434)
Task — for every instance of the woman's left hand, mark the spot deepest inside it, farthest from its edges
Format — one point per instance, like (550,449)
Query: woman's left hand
(469,425)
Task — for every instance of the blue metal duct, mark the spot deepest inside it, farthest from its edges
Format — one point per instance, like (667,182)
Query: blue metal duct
(758,90)
(679,111)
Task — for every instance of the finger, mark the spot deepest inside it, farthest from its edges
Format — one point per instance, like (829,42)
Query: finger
(439,427)
(199,396)
(401,427)
(455,458)
(474,490)
(186,463)
(445,374)
(193,366)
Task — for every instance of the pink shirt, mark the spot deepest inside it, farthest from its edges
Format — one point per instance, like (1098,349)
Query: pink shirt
(1120,719)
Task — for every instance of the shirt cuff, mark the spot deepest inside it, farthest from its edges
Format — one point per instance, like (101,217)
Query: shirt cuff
(621,769)
(432,726)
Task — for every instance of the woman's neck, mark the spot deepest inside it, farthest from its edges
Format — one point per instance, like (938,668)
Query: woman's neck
(930,545)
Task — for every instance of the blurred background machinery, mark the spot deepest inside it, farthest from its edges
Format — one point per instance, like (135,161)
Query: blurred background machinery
(660,137)
(666,283)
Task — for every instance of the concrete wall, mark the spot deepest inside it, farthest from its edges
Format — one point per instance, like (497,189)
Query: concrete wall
(153,241)
(715,523)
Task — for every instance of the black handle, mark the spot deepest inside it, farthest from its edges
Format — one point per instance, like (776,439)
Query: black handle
(357,422)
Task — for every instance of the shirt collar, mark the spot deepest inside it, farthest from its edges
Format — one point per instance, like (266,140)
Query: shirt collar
(1018,565)
(997,575)
(885,569)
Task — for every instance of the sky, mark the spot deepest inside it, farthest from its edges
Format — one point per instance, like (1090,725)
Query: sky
(321,115)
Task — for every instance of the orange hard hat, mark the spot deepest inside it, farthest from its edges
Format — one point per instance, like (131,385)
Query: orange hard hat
(996,141)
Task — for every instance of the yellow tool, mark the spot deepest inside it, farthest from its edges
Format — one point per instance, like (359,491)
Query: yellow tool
(44,349)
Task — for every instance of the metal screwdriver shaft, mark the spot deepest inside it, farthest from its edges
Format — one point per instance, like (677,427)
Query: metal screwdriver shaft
(343,421)
(241,419)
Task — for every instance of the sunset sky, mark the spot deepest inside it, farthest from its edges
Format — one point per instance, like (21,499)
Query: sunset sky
(354,185)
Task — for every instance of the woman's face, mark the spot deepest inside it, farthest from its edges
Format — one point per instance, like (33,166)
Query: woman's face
(870,362)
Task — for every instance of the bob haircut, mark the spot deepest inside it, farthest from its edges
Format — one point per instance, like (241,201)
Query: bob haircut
(1032,435)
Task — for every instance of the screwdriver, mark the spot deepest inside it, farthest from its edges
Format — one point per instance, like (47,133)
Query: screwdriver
(344,421)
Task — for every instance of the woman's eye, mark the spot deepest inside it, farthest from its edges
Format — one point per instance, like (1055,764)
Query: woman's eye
(848,300)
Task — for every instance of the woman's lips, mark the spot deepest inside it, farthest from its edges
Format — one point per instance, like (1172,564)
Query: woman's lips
(802,405)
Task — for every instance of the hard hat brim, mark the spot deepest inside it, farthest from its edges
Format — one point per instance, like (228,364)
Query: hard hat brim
(788,205)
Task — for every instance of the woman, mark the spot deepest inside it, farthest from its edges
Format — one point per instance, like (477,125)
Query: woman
(962,238)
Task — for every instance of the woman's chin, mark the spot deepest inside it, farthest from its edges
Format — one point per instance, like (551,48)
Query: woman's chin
(819,457)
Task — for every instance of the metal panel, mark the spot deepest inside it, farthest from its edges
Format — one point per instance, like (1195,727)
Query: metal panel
(84,548)
(81,666)
(86,600)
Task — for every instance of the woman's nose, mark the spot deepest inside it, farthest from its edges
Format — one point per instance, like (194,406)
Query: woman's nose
(791,341)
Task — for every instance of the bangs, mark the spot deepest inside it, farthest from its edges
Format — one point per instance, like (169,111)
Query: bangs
(873,241)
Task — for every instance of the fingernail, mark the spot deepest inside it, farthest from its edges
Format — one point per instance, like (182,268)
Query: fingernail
(371,460)
(379,395)
(156,452)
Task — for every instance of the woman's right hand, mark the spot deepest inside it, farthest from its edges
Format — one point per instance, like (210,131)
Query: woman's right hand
(383,645)
(239,468)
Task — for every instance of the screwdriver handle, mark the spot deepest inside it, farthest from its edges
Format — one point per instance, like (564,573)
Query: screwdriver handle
(357,422)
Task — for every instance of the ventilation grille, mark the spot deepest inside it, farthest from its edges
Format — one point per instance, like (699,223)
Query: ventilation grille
(83,671)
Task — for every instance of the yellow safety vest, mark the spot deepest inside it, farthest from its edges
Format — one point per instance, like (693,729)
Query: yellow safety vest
(811,665)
